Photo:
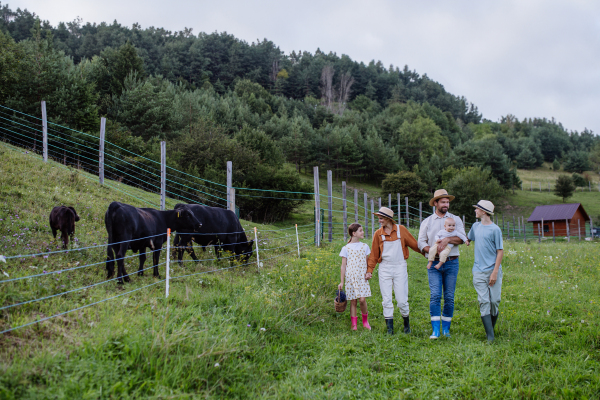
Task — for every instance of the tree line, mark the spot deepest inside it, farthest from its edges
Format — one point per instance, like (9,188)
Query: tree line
(213,96)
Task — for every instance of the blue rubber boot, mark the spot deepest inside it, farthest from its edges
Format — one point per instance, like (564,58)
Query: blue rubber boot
(446,328)
(436,329)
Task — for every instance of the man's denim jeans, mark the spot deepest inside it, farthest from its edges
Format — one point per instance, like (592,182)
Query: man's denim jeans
(443,279)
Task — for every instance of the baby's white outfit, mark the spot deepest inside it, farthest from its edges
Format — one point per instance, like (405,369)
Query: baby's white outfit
(441,235)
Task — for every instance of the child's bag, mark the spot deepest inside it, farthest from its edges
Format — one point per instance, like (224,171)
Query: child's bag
(340,301)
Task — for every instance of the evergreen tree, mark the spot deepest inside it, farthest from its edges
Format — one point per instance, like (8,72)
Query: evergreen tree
(564,187)
(556,165)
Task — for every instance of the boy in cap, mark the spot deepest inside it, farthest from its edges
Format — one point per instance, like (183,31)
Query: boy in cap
(487,268)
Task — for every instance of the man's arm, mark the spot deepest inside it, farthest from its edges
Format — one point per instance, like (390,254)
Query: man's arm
(422,240)
(442,243)
(494,275)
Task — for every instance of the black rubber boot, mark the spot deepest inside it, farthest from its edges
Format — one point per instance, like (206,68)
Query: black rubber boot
(489,328)
(406,325)
(390,325)
(494,319)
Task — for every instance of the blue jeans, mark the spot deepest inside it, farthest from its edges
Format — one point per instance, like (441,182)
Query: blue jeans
(443,279)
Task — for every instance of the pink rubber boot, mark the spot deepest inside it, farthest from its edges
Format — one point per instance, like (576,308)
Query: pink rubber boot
(366,322)
(354,322)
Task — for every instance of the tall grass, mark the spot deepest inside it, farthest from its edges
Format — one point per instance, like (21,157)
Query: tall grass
(273,332)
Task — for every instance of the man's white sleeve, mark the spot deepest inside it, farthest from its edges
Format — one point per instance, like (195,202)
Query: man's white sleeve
(422,241)
(460,229)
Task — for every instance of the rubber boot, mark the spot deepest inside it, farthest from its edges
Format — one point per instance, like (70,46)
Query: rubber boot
(436,329)
(390,325)
(406,325)
(489,327)
(494,319)
(366,321)
(354,322)
(446,328)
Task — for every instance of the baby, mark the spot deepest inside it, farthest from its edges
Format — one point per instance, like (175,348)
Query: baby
(448,231)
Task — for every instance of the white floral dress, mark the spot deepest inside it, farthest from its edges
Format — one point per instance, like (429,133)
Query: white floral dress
(356,268)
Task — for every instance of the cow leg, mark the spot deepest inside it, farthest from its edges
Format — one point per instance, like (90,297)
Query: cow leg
(142,261)
(155,259)
(190,250)
(121,273)
(53,232)
(65,238)
(110,260)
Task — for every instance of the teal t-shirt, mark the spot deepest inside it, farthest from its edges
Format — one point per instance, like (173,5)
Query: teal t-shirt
(488,240)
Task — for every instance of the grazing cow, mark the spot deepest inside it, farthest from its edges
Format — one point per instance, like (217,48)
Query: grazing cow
(129,227)
(63,219)
(220,228)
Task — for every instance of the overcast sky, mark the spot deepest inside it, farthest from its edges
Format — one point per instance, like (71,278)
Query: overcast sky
(529,58)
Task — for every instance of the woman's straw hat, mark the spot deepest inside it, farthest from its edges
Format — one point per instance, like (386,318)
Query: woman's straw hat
(486,206)
(439,194)
(385,212)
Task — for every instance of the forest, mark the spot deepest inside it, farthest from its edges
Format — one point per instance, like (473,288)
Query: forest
(214,97)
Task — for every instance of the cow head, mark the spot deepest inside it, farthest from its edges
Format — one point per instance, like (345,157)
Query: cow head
(245,250)
(187,220)
(74,213)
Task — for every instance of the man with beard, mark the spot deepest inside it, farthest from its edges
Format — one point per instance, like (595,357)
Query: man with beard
(442,280)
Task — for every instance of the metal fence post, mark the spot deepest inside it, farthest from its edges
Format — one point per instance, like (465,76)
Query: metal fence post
(45,131)
(356,206)
(168,259)
(330,204)
(298,240)
(101,155)
(317,207)
(163,174)
(407,214)
(257,256)
(345,210)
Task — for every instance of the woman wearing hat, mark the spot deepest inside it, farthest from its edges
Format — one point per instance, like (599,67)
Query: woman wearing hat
(390,251)
(487,268)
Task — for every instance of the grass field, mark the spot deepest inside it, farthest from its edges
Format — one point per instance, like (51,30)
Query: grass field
(241,333)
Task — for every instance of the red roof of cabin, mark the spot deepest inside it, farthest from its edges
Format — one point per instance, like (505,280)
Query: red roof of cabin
(556,212)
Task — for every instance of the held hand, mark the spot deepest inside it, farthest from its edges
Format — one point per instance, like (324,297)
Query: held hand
(442,243)
(368,276)
(493,278)
(468,242)
(426,249)
(341,286)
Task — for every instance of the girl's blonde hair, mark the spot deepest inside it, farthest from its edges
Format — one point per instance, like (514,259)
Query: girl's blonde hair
(352,229)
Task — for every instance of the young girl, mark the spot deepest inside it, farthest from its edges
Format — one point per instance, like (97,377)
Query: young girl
(354,268)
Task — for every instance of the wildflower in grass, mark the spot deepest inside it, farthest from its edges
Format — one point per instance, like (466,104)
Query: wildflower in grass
(217,365)
(263,329)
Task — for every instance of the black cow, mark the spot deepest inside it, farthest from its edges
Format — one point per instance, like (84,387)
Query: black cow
(63,219)
(220,227)
(125,224)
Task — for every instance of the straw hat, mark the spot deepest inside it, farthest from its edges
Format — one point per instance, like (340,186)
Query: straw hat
(439,194)
(486,206)
(385,212)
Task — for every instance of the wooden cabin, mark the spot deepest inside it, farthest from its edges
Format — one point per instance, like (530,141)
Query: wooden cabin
(568,220)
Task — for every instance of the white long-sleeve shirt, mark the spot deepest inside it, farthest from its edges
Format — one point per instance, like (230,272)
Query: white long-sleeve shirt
(432,225)
(445,234)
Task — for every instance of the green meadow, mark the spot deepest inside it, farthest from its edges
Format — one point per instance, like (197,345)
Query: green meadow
(271,332)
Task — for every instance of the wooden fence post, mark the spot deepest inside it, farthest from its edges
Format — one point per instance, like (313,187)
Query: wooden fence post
(542,228)
(503,226)
(317,207)
(101,155)
(592,228)
(420,213)
(45,131)
(345,211)
(579,229)
(367,215)
(330,204)
(539,234)
(163,174)
(524,231)
(379,203)
(229,183)
(568,231)
(372,216)
(407,214)
(356,206)
(553,234)
(390,201)
(508,230)
(464,224)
